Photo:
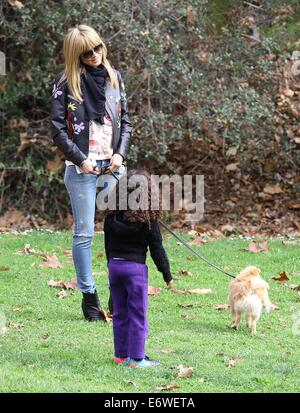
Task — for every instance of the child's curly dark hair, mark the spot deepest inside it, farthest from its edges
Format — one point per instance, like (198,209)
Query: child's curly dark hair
(139,215)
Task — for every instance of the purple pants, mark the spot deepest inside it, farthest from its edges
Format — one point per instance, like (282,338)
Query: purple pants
(128,282)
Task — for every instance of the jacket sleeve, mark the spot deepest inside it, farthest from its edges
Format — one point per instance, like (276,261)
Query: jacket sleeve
(59,126)
(126,126)
(157,251)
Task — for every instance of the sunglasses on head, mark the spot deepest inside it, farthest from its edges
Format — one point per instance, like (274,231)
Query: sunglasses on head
(90,53)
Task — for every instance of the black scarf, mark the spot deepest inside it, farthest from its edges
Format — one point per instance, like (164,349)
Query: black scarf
(93,89)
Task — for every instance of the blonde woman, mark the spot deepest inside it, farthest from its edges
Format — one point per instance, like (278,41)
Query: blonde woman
(91,127)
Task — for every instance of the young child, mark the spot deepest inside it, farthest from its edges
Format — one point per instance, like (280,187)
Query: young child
(128,234)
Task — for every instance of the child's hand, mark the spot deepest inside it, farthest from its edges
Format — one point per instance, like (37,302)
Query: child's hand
(170,284)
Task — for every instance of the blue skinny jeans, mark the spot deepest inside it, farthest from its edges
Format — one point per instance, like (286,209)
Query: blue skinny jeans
(82,189)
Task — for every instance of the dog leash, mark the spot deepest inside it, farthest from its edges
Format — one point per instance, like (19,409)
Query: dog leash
(195,252)
(103,169)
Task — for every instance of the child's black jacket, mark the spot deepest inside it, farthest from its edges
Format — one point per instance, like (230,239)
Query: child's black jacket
(130,240)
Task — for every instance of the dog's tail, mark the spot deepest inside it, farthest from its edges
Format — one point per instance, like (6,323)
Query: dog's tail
(266,301)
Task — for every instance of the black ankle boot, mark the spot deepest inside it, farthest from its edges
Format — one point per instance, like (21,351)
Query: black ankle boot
(110,304)
(91,307)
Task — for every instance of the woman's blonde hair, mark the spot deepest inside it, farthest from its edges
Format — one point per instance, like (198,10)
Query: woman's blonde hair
(78,40)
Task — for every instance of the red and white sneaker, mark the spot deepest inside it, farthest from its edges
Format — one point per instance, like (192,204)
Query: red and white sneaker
(121,360)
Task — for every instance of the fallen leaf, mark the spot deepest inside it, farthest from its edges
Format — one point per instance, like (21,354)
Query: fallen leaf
(67,253)
(186,316)
(185,272)
(4,268)
(45,336)
(294,287)
(199,291)
(168,387)
(179,291)
(200,230)
(258,247)
(153,290)
(69,220)
(61,294)
(16,3)
(191,16)
(295,242)
(17,326)
(167,350)
(54,165)
(233,361)
(132,383)
(26,142)
(289,93)
(202,57)
(100,254)
(227,229)
(185,372)
(283,10)
(216,234)
(283,278)
(27,250)
(26,363)
(185,305)
(254,38)
(232,151)
(51,261)
(199,240)
(17,309)
(69,285)
(59,284)
(221,306)
(272,189)
(231,167)
(293,206)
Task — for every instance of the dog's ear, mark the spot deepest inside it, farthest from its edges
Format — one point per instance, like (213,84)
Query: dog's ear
(250,271)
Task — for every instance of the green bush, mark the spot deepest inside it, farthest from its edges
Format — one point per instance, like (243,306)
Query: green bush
(185,64)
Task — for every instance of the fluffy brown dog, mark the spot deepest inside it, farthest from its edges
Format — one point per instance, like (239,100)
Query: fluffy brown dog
(248,293)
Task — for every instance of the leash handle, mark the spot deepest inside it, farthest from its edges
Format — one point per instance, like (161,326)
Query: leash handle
(102,170)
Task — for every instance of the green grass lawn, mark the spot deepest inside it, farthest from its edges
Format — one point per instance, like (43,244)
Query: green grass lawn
(55,350)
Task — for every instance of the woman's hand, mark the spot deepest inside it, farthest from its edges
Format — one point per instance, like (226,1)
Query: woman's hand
(115,162)
(87,167)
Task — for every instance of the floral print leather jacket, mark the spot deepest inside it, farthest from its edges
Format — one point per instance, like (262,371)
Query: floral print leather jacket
(70,130)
